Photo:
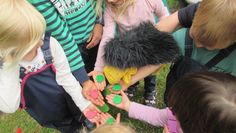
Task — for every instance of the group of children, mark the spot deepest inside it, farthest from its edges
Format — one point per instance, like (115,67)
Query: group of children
(48,77)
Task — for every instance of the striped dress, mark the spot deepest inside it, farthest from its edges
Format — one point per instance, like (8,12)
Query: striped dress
(70,22)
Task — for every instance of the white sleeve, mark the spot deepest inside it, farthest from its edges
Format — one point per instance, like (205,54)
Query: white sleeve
(64,76)
(9,89)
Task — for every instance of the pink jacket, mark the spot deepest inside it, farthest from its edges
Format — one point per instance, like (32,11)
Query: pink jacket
(155,116)
(141,11)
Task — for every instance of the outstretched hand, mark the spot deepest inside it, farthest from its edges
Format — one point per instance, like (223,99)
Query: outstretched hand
(105,118)
(95,36)
(92,113)
(124,87)
(99,79)
(124,104)
(88,87)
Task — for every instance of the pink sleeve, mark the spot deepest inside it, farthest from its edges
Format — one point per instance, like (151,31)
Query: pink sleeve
(159,8)
(153,116)
(108,33)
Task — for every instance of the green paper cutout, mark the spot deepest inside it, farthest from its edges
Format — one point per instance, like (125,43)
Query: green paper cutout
(117,99)
(110,121)
(105,108)
(116,87)
(100,78)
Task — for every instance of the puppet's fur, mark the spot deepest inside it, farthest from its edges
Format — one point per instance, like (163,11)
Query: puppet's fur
(141,46)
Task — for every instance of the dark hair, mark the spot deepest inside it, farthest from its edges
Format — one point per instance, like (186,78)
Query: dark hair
(205,102)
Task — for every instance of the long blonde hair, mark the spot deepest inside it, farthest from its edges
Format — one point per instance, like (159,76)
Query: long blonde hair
(99,8)
(215,22)
(21,28)
(114,128)
(121,9)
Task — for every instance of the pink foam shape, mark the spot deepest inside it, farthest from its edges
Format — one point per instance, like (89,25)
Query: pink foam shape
(91,114)
(94,94)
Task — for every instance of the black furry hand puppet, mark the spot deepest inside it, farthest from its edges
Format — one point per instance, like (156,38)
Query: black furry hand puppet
(141,46)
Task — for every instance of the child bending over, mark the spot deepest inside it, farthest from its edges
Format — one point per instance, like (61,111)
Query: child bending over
(199,103)
(35,70)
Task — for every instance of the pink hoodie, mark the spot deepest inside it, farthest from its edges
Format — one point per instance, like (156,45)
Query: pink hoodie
(141,11)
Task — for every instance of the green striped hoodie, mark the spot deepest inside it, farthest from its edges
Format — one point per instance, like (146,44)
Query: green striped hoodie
(70,22)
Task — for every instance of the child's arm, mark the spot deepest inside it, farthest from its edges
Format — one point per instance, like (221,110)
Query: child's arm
(169,24)
(9,89)
(153,116)
(159,8)
(60,31)
(65,78)
(141,73)
(183,17)
(108,33)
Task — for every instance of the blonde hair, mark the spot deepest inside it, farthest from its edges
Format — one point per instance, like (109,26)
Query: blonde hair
(114,128)
(21,28)
(121,9)
(214,22)
(98,8)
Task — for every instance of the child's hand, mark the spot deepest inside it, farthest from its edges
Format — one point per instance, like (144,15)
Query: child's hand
(88,87)
(95,36)
(99,79)
(92,113)
(124,104)
(105,118)
(123,87)
(165,129)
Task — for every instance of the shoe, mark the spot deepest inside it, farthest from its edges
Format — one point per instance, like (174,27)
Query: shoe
(130,91)
(89,125)
(150,99)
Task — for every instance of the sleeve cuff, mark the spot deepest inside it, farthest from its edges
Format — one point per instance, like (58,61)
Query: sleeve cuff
(83,104)
(80,75)
(99,69)
(100,20)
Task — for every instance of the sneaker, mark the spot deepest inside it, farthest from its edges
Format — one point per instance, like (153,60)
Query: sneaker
(150,99)
(130,91)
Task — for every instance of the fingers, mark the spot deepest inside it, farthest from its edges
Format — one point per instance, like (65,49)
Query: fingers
(90,45)
(91,73)
(90,38)
(124,96)
(118,118)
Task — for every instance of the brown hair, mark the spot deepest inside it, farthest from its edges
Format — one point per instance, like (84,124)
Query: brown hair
(214,23)
(205,102)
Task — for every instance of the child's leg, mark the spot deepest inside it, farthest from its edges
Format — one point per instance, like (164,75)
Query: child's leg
(131,90)
(150,90)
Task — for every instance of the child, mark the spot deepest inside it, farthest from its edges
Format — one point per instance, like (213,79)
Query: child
(48,90)
(78,29)
(211,42)
(127,15)
(208,107)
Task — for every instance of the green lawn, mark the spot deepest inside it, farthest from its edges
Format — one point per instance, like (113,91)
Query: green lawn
(20,119)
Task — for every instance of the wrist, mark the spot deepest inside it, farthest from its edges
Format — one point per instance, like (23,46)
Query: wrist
(85,83)
(127,106)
